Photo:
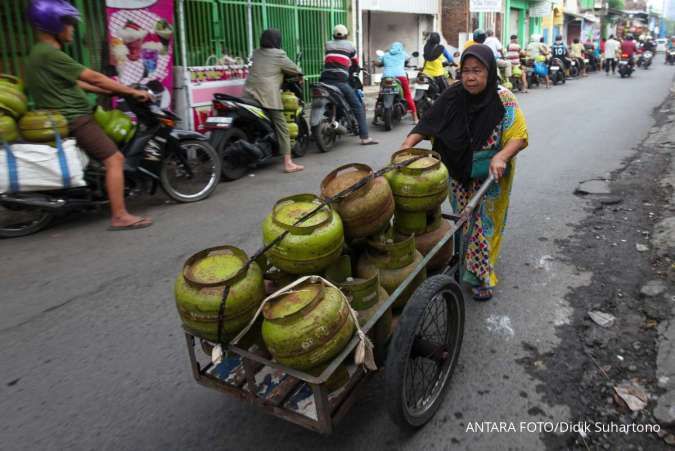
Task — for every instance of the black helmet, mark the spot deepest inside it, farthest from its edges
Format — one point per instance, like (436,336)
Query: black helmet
(479,35)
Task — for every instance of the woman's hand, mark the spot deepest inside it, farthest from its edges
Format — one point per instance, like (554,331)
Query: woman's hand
(498,166)
(411,140)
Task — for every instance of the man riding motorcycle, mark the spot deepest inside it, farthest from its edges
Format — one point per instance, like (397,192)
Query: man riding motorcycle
(629,48)
(57,82)
(340,56)
(559,50)
(270,66)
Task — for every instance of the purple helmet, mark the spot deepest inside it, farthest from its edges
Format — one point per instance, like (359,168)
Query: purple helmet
(48,15)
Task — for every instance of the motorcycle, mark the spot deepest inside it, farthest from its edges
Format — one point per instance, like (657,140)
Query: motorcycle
(181,162)
(557,71)
(244,136)
(390,105)
(625,66)
(574,69)
(331,115)
(645,59)
(670,56)
(428,89)
(532,77)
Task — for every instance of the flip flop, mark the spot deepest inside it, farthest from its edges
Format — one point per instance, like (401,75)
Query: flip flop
(372,142)
(140,224)
(482,294)
(290,171)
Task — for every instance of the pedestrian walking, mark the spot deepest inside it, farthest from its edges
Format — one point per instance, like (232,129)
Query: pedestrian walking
(612,47)
(477,115)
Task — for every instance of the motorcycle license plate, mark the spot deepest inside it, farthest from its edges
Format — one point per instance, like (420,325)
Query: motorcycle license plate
(387,91)
(219,121)
(586,61)
(555,68)
(623,62)
(422,87)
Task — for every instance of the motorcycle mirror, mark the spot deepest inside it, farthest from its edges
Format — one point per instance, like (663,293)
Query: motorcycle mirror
(415,53)
(379,53)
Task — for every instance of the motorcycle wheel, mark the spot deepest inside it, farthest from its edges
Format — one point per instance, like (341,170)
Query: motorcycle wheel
(302,141)
(221,140)
(16,221)
(323,136)
(192,172)
(388,119)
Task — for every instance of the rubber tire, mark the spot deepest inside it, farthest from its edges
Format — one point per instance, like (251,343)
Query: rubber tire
(220,139)
(401,343)
(302,141)
(574,72)
(317,134)
(178,197)
(388,119)
(45,219)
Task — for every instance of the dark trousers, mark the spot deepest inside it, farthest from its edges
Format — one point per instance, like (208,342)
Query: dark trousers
(612,62)
(355,103)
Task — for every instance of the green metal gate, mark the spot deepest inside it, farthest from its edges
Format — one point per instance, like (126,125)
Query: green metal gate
(233,27)
(17,37)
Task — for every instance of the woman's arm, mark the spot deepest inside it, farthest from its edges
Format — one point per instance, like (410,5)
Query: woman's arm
(412,140)
(500,160)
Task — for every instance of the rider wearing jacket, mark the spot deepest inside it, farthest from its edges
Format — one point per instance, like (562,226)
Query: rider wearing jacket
(394,66)
(435,54)
(270,66)
(559,50)
(57,82)
(340,56)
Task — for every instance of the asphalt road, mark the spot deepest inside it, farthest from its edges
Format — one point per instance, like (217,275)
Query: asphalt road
(92,352)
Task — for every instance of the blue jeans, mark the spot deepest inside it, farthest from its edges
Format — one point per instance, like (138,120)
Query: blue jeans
(355,103)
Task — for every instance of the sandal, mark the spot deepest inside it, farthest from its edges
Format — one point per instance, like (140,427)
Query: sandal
(482,293)
(370,142)
(140,224)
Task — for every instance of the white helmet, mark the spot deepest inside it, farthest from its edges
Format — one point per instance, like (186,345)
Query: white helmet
(340,32)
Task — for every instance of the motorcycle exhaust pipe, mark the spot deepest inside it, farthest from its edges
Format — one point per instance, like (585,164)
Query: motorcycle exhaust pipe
(338,128)
(33,202)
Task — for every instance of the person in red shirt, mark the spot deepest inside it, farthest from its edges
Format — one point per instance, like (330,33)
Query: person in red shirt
(629,48)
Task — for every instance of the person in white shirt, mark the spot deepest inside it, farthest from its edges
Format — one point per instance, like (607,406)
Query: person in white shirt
(612,46)
(496,46)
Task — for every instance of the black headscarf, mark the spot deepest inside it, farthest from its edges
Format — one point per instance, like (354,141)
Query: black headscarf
(462,123)
(270,39)
(433,47)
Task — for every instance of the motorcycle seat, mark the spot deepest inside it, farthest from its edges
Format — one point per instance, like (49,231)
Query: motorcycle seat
(335,89)
(246,100)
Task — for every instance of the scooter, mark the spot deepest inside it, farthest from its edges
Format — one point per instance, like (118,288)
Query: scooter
(428,89)
(331,115)
(645,59)
(182,162)
(390,105)
(530,73)
(670,56)
(557,70)
(574,68)
(244,136)
(625,66)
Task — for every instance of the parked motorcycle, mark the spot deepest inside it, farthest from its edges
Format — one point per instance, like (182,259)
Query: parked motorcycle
(390,106)
(625,66)
(182,162)
(331,115)
(574,68)
(244,136)
(557,71)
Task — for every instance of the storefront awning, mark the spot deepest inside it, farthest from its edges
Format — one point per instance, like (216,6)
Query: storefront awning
(576,16)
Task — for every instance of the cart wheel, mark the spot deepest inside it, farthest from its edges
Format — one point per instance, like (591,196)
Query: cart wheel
(424,351)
